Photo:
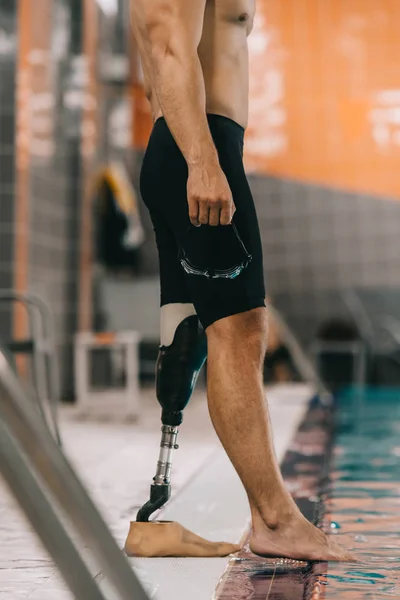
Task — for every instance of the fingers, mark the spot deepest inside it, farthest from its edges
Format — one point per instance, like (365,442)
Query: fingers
(213,219)
(227,212)
(211,213)
(209,197)
(204,210)
(194,212)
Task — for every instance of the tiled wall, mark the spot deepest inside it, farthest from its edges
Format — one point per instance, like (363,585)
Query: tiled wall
(318,242)
(55,186)
(67,112)
(59,143)
(7,152)
(40,180)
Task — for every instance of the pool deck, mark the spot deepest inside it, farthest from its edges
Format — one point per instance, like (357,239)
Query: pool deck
(116,462)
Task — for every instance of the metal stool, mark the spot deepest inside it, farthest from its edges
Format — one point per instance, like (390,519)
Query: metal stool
(118,402)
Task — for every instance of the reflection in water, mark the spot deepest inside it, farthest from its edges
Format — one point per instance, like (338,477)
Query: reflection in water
(362,508)
(365,499)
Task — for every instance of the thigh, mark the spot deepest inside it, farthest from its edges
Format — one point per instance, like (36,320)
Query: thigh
(173,288)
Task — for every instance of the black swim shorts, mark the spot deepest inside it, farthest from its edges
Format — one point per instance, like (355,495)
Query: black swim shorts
(217,269)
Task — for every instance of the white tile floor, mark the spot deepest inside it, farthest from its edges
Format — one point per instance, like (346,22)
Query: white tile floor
(117,462)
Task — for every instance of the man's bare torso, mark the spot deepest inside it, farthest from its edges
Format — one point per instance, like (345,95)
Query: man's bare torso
(224,59)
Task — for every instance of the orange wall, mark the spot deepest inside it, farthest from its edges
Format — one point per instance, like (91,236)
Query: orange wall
(32,140)
(325,93)
(89,140)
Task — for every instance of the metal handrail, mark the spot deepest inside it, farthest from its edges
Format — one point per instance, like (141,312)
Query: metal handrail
(33,303)
(16,471)
(384,322)
(360,315)
(391,326)
(39,475)
(303,364)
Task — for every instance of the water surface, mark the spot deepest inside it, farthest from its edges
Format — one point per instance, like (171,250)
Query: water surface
(364,508)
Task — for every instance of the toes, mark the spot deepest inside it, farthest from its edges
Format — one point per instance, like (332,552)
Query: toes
(340,555)
(349,557)
(224,549)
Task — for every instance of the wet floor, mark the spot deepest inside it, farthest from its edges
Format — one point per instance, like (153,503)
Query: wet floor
(359,475)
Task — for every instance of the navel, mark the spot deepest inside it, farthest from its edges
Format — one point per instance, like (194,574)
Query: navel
(243,17)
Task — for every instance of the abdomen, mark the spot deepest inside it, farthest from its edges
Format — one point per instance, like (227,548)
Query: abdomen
(224,58)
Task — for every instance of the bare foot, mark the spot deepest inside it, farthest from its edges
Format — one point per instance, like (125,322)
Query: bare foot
(169,538)
(297,539)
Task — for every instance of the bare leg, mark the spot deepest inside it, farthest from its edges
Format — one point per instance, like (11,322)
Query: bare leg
(236,350)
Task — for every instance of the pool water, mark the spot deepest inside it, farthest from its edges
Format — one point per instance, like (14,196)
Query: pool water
(358,480)
(364,506)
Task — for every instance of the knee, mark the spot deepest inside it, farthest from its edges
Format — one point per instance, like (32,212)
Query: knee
(246,332)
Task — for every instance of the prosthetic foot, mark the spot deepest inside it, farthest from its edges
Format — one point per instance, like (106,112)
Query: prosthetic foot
(182,353)
(167,538)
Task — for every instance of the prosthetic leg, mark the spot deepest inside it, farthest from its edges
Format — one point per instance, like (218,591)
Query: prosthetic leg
(178,366)
(182,353)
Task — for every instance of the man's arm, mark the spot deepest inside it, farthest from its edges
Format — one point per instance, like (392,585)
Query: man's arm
(168,33)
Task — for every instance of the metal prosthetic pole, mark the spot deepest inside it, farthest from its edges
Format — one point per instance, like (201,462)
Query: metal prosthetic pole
(160,490)
(178,367)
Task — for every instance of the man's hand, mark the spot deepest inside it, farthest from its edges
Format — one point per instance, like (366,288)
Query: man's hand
(209,196)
